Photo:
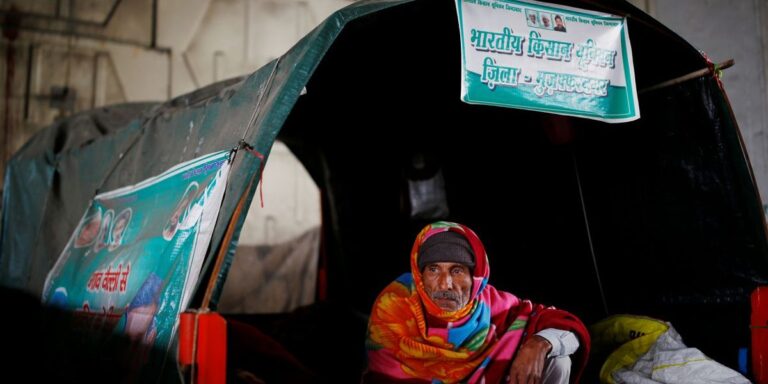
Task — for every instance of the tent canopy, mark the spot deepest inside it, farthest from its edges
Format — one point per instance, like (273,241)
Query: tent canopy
(658,217)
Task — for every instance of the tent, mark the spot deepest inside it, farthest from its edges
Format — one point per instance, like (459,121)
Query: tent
(659,217)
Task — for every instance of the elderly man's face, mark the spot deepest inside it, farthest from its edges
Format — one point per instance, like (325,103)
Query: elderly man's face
(448,285)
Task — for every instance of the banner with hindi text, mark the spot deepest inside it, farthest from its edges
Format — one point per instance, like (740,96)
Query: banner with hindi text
(130,266)
(548,58)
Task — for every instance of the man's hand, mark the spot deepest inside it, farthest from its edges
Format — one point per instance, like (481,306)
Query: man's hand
(528,365)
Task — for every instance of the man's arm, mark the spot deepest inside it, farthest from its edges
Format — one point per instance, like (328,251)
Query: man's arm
(528,365)
(564,343)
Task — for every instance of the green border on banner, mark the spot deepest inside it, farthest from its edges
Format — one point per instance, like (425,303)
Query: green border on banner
(619,105)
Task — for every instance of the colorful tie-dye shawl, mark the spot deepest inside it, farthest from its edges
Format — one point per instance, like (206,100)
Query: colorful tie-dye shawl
(411,339)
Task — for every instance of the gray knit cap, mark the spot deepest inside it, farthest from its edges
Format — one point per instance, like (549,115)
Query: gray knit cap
(446,247)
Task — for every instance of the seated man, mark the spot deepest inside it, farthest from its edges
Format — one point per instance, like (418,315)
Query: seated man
(443,322)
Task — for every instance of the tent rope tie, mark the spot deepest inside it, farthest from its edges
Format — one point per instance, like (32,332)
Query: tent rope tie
(713,69)
(716,69)
(250,149)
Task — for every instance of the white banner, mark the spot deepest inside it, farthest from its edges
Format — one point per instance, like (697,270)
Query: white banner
(549,58)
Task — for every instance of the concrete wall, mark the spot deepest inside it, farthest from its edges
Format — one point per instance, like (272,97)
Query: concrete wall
(193,43)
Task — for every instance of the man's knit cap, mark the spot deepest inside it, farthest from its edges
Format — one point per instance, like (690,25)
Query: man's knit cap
(446,247)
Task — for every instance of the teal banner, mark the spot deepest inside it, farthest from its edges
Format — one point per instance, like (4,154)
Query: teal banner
(548,58)
(131,265)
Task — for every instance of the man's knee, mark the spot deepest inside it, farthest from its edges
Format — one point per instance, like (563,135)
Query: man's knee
(557,370)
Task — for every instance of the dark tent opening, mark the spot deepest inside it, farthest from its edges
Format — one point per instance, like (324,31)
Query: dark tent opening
(674,220)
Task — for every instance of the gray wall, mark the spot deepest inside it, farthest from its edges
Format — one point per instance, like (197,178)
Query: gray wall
(61,43)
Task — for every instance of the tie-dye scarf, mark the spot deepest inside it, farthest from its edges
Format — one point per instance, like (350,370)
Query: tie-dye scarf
(411,339)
